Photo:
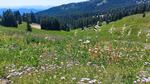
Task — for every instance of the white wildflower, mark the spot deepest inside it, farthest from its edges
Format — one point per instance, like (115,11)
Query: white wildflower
(99,83)
(46,38)
(92,81)
(62,78)
(74,78)
(148,35)
(139,33)
(89,63)
(86,42)
(147,63)
(129,33)
(80,40)
(111,30)
(85,79)
(123,30)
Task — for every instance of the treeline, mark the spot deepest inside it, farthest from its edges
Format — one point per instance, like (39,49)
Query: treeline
(82,20)
(89,19)
(68,22)
(11,19)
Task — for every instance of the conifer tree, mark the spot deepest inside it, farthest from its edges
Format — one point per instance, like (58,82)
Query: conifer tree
(29,29)
(9,19)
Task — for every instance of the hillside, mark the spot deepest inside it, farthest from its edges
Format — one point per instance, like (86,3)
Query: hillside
(92,6)
(117,53)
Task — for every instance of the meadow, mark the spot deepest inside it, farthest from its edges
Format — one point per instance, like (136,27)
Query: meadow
(116,53)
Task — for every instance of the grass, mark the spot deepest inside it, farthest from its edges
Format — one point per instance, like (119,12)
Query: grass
(113,54)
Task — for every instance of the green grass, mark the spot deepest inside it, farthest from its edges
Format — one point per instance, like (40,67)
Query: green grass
(58,56)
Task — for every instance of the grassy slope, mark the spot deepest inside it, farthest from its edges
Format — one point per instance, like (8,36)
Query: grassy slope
(108,57)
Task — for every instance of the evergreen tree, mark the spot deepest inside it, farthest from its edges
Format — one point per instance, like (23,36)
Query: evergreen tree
(50,24)
(144,15)
(29,26)
(18,17)
(8,19)
(26,17)
(33,17)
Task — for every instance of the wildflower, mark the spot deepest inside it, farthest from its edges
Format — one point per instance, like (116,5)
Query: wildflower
(75,33)
(135,82)
(129,33)
(41,56)
(89,63)
(147,63)
(85,79)
(148,35)
(99,83)
(62,78)
(123,30)
(54,76)
(92,81)
(46,38)
(55,58)
(97,26)
(147,80)
(80,40)
(111,30)
(62,63)
(139,33)
(74,78)
(86,42)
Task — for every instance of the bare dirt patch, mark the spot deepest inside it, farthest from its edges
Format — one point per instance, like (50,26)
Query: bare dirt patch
(4,81)
(147,30)
(147,46)
(36,26)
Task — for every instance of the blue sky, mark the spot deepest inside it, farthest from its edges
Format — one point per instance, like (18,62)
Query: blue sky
(21,3)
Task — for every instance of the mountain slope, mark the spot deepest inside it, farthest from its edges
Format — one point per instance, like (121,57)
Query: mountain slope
(117,54)
(89,6)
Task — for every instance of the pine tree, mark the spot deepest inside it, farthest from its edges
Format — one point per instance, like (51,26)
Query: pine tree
(9,19)
(33,17)
(18,17)
(50,24)
(144,15)
(29,29)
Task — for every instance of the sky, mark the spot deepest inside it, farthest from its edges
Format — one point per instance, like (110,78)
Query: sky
(23,3)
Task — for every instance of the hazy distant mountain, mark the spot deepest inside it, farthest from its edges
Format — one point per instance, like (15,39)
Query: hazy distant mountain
(89,6)
(26,9)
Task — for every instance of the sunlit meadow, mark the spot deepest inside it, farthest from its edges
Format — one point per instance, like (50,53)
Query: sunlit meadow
(117,53)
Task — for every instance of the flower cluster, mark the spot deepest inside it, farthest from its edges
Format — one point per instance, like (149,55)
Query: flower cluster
(89,81)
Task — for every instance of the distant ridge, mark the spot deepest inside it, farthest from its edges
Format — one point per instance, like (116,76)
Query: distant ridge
(26,9)
(89,6)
